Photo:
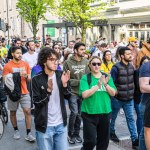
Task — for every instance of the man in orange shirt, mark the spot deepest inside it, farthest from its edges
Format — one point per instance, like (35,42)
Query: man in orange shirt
(17,65)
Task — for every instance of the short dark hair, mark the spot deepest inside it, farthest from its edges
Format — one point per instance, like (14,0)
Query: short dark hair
(14,48)
(18,39)
(122,50)
(29,42)
(143,58)
(77,45)
(44,54)
(46,44)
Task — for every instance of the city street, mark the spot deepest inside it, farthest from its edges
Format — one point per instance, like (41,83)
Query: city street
(8,143)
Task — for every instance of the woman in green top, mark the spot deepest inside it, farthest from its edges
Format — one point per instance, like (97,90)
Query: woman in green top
(96,106)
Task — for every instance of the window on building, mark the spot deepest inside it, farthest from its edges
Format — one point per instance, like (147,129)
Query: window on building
(130,26)
(142,35)
(136,26)
(142,25)
(148,25)
(148,34)
(136,34)
(130,34)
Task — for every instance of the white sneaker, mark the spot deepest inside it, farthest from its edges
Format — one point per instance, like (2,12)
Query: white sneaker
(16,135)
(30,138)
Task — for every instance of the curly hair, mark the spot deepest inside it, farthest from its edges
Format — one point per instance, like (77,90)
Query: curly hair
(44,54)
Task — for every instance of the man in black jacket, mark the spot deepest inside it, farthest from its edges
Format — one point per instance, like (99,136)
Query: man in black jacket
(49,88)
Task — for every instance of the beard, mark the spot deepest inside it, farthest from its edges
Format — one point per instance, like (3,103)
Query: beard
(80,55)
(128,60)
(50,68)
(17,58)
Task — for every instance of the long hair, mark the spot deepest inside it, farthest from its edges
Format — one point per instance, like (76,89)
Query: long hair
(104,59)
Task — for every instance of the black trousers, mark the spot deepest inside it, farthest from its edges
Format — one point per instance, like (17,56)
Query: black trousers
(96,131)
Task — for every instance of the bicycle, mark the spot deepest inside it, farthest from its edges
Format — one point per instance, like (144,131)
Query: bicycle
(3,111)
(1,124)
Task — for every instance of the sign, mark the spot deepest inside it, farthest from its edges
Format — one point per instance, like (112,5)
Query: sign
(51,31)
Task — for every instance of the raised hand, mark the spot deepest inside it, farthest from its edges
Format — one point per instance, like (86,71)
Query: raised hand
(65,78)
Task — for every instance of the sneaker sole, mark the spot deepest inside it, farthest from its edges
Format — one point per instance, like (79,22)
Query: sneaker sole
(78,141)
(70,142)
(29,140)
(16,138)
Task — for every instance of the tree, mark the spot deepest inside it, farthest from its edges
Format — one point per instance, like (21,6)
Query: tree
(32,11)
(80,13)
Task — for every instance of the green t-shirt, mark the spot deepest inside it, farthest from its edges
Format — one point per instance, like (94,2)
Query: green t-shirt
(99,102)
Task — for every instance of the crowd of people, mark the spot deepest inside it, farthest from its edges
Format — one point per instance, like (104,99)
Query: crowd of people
(96,83)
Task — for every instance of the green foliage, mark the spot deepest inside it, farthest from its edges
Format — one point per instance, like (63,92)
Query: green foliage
(80,13)
(32,11)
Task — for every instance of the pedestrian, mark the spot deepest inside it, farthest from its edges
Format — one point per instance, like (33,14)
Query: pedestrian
(147,125)
(31,56)
(123,77)
(144,78)
(137,96)
(96,106)
(13,66)
(49,88)
(78,66)
(107,62)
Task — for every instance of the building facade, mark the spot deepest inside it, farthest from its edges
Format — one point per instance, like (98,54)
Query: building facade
(125,18)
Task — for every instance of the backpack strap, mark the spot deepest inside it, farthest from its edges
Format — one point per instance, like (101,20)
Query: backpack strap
(89,78)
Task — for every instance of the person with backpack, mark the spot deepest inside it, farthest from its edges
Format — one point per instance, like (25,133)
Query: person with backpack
(16,65)
(96,88)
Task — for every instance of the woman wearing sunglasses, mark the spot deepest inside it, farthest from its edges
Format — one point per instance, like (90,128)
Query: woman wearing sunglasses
(96,106)
(107,62)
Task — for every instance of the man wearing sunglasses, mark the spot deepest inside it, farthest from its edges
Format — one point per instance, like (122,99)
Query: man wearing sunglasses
(123,77)
(78,66)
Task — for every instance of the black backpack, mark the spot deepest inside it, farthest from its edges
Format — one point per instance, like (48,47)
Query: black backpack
(15,95)
(89,78)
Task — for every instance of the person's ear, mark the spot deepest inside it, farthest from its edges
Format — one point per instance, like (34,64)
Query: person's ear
(75,51)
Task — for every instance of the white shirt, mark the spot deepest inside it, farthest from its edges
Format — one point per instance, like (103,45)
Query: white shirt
(31,59)
(54,108)
(97,52)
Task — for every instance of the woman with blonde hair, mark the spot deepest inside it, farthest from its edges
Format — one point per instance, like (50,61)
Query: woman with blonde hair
(96,89)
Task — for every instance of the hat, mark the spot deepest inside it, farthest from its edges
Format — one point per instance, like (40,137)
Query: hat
(23,40)
(132,39)
(36,41)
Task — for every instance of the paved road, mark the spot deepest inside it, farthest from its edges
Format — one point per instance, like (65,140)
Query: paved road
(8,143)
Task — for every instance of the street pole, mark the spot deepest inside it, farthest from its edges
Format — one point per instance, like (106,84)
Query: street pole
(7,19)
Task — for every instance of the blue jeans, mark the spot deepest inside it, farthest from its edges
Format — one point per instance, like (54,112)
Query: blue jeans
(55,138)
(139,117)
(75,115)
(128,108)
(142,145)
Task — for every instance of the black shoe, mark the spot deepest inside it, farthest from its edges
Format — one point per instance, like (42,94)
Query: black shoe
(78,139)
(71,139)
(114,137)
(135,144)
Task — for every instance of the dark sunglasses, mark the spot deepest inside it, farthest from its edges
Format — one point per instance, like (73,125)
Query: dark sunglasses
(94,64)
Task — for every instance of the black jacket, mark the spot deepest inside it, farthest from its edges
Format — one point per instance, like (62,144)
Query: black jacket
(40,98)
(125,82)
